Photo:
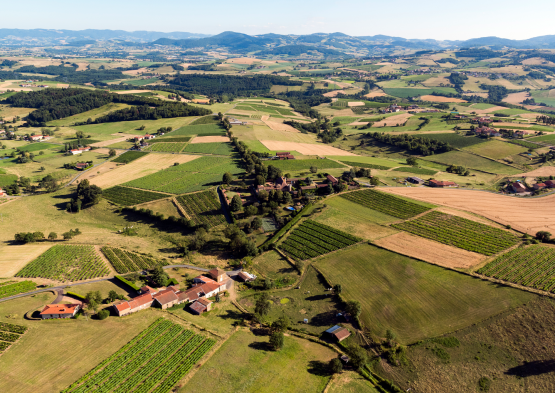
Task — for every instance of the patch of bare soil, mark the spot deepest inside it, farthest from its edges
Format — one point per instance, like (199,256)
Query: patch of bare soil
(209,139)
(430,251)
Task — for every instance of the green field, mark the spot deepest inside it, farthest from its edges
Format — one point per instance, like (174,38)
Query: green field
(482,106)
(544,138)
(35,146)
(459,232)
(166,147)
(497,149)
(168,139)
(297,165)
(272,265)
(129,156)
(257,146)
(416,171)
(6,180)
(141,82)
(205,120)
(414,299)
(472,161)
(192,176)
(386,203)
(66,263)
(410,92)
(545,96)
(201,130)
(129,196)
(455,140)
(256,368)
(218,148)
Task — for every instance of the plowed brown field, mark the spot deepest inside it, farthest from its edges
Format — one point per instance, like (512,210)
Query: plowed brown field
(523,214)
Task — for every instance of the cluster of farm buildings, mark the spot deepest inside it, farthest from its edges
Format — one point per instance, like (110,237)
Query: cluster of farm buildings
(289,185)
(197,297)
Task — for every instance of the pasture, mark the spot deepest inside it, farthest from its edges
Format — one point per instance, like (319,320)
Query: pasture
(471,161)
(297,165)
(414,299)
(496,149)
(223,149)
(256,368)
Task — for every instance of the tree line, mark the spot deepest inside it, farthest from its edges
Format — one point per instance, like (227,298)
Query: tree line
(71,75)
(413,144)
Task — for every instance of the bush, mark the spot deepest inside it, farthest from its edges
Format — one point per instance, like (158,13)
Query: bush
(484,383)
(103,314)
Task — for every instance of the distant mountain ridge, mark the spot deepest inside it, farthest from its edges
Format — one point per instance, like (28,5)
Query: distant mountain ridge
(240,42)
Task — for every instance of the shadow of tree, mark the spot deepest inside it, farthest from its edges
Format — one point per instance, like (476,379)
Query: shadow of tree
(536,367)
(261,346)
(319,368)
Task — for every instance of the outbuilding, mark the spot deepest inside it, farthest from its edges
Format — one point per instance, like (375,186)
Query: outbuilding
(57,311)
(338,333)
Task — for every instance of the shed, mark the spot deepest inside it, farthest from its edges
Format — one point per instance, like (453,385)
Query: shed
(415,180)
(338,333)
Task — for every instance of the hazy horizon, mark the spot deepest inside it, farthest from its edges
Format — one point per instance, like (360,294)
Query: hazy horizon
(424,20)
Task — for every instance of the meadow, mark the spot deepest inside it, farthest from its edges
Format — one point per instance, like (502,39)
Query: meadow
(256,368)
(472,161)
(497,149)
(223,149)
(296,165)
(204,129)
(169,147)
(455,140)
(416,300)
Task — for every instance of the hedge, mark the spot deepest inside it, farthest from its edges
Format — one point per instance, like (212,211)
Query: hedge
(76,295)
(123,280)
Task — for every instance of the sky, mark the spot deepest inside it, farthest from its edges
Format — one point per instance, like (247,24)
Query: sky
(443,20)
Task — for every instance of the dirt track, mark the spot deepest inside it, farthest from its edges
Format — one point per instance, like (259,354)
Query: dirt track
(430,251)
(523,214)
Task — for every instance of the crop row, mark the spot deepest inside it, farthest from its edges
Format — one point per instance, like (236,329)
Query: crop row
(8,327)
(123,373)
(66,263)
(185,367)
(126,261)
(312,239)
(202,207)
(532,266)
(17,288)
(168,366)
(124,358)
(155,362)
(129,196)
(460,232)
(6,283)
(385,203)
(10,337)
(114,356)
(168,147)
(4,346)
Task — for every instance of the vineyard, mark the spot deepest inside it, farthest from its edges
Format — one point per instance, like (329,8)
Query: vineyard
(385,203)
(66,263)
(15,288)
(460,232)
(203,208)
(196,175)
(532,266)
(298,165)
(129,156)
(125,261)
(154,361)
(222,148)
(129,196)
(166,147)
(201,130)
(365,165)
(311,239)
(163,139)
(9,334)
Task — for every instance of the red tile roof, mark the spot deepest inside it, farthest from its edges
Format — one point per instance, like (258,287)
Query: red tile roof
(341,334)
(166,296)
(198,307)
(60,309)
(122,306)
(140,300)
(204,301)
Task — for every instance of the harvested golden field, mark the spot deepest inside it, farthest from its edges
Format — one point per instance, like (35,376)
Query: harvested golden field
(334,93)
(524,215)
(440,99)
(393,120)
(487,111)
(132,91)
(242,60)
(135,72)
(122,138)
(209,139)
(375,93)
(307,149)
(14,258)
(99,170)
(356,103)
(430,251)
(543,171)
(151,163)
(516,98)
(277,126)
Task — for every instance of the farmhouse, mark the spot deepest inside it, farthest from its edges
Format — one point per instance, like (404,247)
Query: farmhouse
(486,131)
(518,187)
(442,184)
(167,297)
(338,333)
(281,183)
(550,183)
(81,165)
(56,311)
(284,156)
(35,137)
(80,150)
(539,186)
(332,179)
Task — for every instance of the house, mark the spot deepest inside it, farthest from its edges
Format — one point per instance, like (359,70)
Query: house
(518,187)
(539,186)
(204,290)
(76,151)
(548,184)
(201,305)
(415,180)
(285,156)
(246,277)
(138,303)
(332,179)
(218,274)
(280,183)
(338,333)
(202,280)
(148,136)
(56,311)
(81,165)
(35,137)
(441,184)
(3,193)
(166,298)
